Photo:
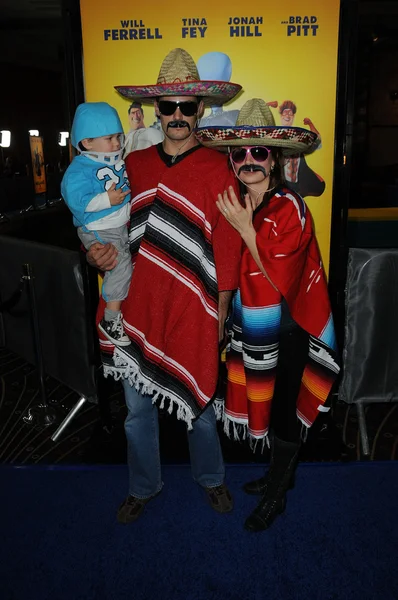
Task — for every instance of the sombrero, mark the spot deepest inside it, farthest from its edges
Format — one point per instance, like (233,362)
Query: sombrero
(178,76)
(255,126)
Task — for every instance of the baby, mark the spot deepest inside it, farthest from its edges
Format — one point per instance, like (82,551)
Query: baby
(96,189)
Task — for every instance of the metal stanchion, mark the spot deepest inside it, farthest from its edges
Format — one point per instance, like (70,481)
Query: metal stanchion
(68,418)
(41,414)
(362,428)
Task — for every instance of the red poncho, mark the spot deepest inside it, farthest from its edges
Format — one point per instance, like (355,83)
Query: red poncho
(183,253)
(289,253)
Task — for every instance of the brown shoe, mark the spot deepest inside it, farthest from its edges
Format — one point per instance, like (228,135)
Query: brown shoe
(132,508)
(220,498)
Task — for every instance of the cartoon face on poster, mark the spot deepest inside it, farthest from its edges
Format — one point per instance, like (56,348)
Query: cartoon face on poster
(280,52)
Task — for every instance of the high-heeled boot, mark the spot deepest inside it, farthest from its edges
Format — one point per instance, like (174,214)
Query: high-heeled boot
(258,487)
(280,475)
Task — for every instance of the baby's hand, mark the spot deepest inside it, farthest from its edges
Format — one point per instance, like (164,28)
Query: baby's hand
(116,196)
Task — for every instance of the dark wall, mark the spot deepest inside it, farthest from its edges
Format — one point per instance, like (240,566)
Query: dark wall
(34,100)
(33,96)
(375,120)
(33,93)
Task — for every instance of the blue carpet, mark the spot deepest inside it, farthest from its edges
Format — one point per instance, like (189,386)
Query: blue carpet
(60,540)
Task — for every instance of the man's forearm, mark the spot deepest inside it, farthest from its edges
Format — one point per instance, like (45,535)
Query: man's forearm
(224,299)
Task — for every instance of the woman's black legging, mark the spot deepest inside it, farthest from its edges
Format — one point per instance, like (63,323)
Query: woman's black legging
(293,356)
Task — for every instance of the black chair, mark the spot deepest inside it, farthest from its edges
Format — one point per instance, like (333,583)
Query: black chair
(370,354)
(53,290)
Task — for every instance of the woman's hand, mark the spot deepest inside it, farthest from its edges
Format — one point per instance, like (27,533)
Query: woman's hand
(238,216)
(103,257)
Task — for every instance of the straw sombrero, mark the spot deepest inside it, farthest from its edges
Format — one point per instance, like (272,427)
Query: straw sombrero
(178,76)
(255,126)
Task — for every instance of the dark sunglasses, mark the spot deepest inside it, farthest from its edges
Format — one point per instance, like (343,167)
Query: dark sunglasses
(258,153)
(168,107)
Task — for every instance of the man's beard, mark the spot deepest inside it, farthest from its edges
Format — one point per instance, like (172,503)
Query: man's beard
(252,169)
(178,125)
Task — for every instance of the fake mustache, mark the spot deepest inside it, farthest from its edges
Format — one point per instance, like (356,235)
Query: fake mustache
(252,169)
(178,124)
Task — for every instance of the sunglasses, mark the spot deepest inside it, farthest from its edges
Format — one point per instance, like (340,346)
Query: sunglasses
(168,108)
(258,153)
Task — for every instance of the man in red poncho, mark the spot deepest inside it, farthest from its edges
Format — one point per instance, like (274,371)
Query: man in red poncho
(185,266)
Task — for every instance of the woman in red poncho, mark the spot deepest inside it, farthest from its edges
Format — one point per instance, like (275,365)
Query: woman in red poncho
(282,358)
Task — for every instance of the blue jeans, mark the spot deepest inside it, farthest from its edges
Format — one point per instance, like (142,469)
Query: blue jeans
(143,457)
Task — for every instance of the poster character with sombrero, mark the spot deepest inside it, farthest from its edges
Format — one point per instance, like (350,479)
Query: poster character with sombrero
(282,358)
(298,174)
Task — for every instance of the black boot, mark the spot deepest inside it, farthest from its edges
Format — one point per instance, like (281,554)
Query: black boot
(258,487)
(279,479)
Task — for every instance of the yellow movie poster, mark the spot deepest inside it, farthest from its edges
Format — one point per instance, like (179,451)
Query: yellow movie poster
(284,53)
(38,168)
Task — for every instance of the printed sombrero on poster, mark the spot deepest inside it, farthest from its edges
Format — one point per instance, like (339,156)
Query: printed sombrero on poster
(255,126)
(178,76)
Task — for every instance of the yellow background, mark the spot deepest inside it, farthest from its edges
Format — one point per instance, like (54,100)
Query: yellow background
(273,67)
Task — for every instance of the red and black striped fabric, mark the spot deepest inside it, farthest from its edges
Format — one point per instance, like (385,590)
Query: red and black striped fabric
(183,253)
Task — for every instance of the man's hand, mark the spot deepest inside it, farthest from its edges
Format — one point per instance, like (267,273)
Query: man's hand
(224,299)
(116,196)
(103,257)
(221,330)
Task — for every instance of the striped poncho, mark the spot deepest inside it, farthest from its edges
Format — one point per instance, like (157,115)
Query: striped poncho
(183,254)
(289,253)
